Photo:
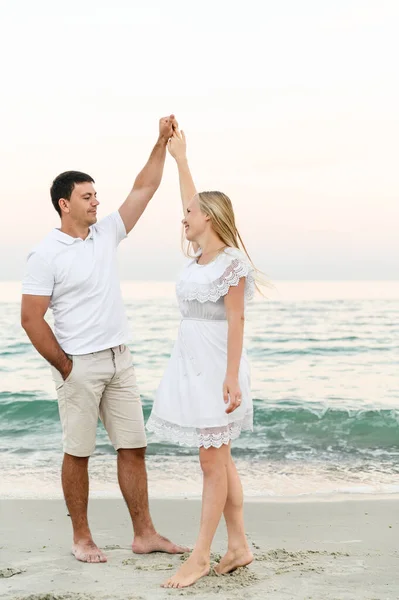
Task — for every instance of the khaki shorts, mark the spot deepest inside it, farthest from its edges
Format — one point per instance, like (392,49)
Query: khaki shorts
(100,385)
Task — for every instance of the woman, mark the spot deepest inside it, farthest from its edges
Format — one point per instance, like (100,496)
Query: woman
(204,398)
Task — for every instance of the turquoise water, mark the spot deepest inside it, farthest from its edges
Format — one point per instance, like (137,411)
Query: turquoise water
(324,359)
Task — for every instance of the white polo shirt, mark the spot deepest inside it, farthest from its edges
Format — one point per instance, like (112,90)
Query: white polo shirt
(81,276)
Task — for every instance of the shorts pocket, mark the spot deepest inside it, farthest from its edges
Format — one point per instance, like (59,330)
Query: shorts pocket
(73,359)
(57,377)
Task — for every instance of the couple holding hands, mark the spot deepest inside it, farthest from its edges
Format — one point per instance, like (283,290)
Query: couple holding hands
(204,398)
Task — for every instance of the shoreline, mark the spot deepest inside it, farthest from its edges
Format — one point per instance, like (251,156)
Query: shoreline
(307,549)
(272,499)
(182,478)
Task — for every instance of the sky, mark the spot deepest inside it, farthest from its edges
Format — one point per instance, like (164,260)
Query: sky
(291,108)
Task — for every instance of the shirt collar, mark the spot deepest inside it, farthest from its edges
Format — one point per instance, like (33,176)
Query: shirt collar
(68,239)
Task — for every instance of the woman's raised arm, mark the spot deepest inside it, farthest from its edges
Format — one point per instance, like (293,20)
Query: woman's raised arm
(178,149)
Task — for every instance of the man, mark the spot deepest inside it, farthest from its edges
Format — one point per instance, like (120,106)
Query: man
(74,272)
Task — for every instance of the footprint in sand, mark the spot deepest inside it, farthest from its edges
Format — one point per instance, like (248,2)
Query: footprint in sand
(10,572)
(70,596)
(140,565)
(67,596)
(280,561)
(57,597)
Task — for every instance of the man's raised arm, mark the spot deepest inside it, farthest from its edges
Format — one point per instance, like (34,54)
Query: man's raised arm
(148,180)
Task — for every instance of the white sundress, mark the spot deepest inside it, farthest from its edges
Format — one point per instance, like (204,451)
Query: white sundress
(189,408)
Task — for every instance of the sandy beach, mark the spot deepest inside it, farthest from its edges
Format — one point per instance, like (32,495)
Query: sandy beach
(340,549)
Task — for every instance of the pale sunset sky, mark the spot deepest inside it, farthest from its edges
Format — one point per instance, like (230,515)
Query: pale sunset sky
(289,107)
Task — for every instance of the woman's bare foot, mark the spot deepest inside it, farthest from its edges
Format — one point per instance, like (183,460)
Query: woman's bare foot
(193,569)
(87,551)
(156,543)
(234,559)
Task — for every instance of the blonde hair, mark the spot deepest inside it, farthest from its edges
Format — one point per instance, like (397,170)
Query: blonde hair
(218,207)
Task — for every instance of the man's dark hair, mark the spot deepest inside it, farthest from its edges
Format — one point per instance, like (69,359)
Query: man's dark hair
(63,185)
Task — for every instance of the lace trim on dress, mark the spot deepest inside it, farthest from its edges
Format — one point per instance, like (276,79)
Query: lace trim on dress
(204,292)
(192,436)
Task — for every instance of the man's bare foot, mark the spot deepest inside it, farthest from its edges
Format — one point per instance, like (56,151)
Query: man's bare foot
(87,551)
(234,559)
(193,569)
(156,543)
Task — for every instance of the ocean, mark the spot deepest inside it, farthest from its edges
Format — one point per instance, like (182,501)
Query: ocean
(324,359)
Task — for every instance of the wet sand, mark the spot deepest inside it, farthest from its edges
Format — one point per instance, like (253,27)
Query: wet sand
(310,550)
